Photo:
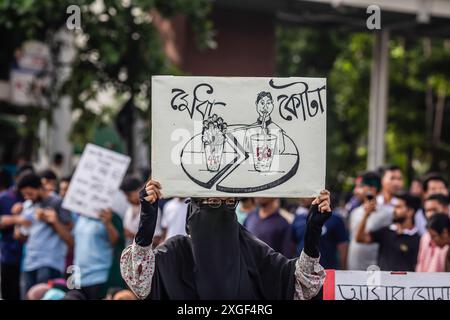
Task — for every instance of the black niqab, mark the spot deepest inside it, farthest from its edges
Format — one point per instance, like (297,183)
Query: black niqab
(220,260)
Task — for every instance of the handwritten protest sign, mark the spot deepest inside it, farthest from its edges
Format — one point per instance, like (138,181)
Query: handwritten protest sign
(95,181)
(217,136)
(382,285)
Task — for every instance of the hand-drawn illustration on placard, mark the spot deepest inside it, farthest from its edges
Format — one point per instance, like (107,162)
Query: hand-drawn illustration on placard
(238,143)
(95,181)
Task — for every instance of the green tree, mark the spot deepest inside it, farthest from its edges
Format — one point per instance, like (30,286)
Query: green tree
(117,47)
(416,136)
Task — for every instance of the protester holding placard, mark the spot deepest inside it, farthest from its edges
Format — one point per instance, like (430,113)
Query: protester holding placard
(220,259)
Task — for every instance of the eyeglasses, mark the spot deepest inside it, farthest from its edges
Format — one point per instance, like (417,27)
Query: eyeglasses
(230,203)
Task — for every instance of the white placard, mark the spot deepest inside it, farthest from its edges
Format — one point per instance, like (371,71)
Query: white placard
(237,136)
(382,285)
(96,180)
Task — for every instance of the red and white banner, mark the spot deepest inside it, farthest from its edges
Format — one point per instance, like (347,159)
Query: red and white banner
(383,285)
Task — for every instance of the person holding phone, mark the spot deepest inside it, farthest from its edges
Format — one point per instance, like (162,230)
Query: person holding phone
(48,234)
(363,255)
(220,259)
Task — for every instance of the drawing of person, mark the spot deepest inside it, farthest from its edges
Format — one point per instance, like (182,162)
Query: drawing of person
(264,107)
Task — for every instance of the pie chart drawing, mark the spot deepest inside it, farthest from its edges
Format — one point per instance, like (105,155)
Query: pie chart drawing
(237,170)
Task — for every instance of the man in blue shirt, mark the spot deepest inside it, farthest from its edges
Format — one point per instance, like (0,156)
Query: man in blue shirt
(333,242)
(47,228)
(268,225)
(96,255)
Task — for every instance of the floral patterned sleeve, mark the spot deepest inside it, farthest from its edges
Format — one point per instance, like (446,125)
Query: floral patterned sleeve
(309,277)
(137,266)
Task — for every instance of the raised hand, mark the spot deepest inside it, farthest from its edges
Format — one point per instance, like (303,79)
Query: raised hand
(323,201)
(152,191)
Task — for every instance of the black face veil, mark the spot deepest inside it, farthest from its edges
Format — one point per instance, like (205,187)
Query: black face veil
(215,247)
(220,260)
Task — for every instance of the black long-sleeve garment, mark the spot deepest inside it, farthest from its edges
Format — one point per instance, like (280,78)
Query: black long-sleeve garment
(220,259)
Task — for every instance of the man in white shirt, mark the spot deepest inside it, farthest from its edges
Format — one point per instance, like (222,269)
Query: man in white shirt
(361,255)
(391,184)
(173,220)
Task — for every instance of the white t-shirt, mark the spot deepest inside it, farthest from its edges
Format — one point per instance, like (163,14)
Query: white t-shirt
(363,255)
(132,218)
(174,217)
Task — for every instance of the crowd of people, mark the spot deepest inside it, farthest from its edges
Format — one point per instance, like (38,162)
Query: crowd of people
(48,252)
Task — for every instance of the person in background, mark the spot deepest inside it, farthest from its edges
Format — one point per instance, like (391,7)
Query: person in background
(434,183)
(5,180)
(360,255)
(333,241)
(357,198)
(10,248)
(436,203)
(124,295)
(244,207)
(391,183)
(439,228)
(432,257)
(120,294)
(64,186)
(399,242)
(58,164)
(54,289)
(303,206)
(98,242)
(48,231)
(131,186)
(173,220)
(49,180)
(284,211)
(62,190)
(268,225)
(416,188)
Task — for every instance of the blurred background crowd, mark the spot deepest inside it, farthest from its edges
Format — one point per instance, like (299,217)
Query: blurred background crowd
(78,72)
(48,252)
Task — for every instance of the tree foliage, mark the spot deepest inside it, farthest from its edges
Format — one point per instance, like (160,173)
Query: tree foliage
(418,67)
(118,46)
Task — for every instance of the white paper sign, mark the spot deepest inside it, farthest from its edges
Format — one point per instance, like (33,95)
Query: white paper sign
(382,285)
(217,136)
(95,181)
